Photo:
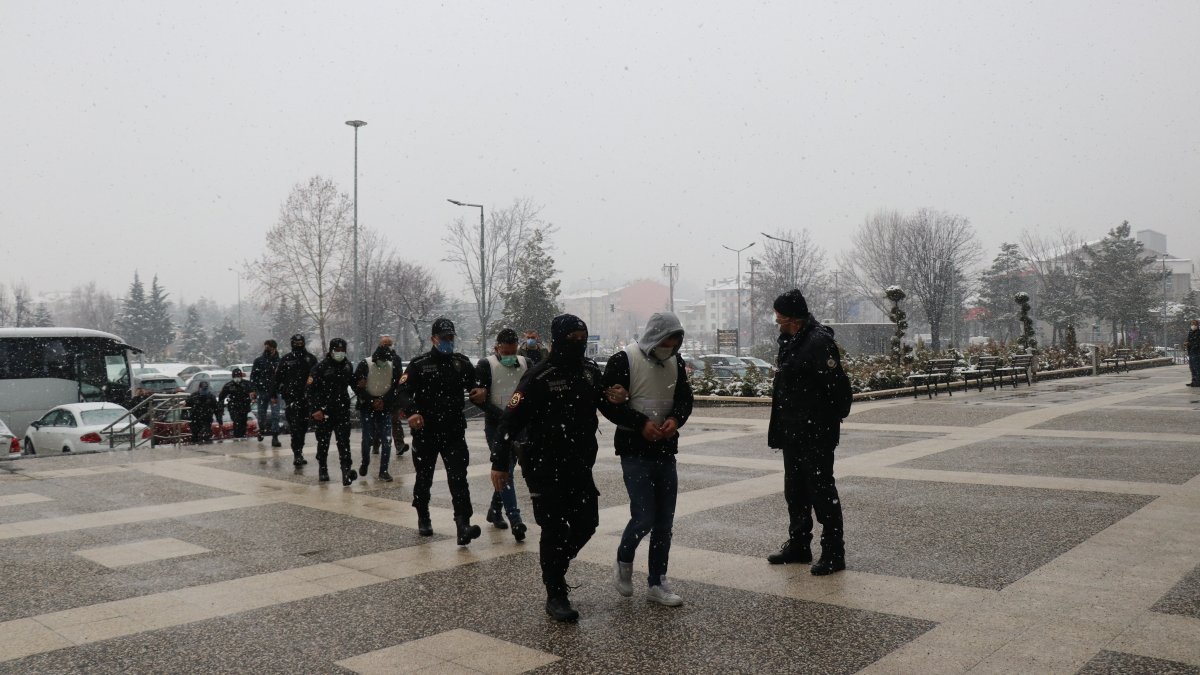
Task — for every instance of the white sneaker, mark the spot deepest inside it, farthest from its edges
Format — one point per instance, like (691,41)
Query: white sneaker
(623,578)
(663,594)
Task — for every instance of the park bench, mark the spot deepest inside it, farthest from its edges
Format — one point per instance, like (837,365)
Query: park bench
(1119,357)
(1018,365)
(985,367)
(937,370)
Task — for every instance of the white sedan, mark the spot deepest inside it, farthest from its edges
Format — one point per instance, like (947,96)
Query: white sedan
(78,426)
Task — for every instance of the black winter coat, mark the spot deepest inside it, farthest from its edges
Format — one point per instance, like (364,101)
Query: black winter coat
(235,395)
(803,407)
(203,406)
(1193,342)
(555,406)
(263,373)
(329,388)
(434,387)
(632,442)
(291,376)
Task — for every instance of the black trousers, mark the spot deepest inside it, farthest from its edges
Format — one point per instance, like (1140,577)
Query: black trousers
(338,427)
(809,487)
(239,422)
(455,457)
(201,426)
(568,515)
(297,419)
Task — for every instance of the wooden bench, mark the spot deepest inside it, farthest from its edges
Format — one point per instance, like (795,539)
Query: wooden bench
(937,370)
(1018,365)
(1120,356)
(985,367)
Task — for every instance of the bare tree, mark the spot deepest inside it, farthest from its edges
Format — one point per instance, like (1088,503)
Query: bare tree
(1058,261)
(22,312)
(774,274)
(418,294)
(936,247)
(505,232)
(308,251)
(88,306)
(5,307)
(876,258)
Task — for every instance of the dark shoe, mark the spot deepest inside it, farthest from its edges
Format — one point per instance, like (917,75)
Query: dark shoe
(260,438)
(348,477)
(323,475)
(466,531)
(385,476)
(362,470)
(496,518)
(299,461)
(518,530)
(559,608)
(828,564)
(792,552)
(402,449)
(275,442)
(424,524)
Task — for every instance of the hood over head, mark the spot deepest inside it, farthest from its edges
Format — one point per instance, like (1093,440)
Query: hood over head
(659,327)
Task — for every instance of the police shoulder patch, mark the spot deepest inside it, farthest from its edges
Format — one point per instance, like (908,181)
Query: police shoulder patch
(516,399)
(831,363)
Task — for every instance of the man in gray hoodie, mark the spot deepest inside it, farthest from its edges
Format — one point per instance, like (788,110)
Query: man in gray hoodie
(661,399)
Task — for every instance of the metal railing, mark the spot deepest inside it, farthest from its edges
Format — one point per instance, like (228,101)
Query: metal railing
(145,412)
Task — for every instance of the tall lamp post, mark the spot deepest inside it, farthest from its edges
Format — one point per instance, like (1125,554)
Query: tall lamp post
(738,251)
(354,303)
(672,272)
(754,263)
(239,291)
(792,255)
(482,271)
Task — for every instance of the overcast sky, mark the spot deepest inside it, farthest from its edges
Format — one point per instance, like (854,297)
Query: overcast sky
(165,135)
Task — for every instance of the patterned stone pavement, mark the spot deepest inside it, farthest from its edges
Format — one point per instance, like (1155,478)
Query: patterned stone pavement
(1052,528)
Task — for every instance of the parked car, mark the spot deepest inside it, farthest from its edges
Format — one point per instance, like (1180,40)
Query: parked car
(246,368)
(77,426)
(168,368)
(172,426)
(216,379)
(8,441)
(157,383)
(765,368)
(733,364)
(187,372)
(692,364)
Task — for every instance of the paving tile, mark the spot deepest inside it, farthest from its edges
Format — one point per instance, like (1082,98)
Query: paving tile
(138,552)
(1116,663)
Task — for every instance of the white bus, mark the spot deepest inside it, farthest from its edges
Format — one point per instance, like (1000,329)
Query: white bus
(44,367)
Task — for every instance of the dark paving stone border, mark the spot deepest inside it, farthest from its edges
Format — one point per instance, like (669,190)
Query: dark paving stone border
(1118,663)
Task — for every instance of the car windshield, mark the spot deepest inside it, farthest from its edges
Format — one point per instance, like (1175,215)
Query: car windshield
(158,385)
(101,416)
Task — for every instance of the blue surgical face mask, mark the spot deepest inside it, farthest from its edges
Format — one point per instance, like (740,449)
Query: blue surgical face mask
(531,342)
(446,346)
(510,361)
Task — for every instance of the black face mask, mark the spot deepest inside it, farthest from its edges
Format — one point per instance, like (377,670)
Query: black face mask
(297,347)
(570,350)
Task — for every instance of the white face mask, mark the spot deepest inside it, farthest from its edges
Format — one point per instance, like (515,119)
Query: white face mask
(663,353)
(339,356)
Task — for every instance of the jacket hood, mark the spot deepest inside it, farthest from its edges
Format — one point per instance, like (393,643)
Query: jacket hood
(659,327)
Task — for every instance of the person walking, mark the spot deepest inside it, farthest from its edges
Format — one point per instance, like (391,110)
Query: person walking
(289,383)
(376,382)
(329,399)
(235,396)
(806,425)
(432,391)
(398,441)
(261,375)
(498,376)
(202,409)
(1192,344)
(532,348)
(661,398)
(555,406)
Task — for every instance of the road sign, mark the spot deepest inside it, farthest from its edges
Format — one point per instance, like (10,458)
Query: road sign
(727,341)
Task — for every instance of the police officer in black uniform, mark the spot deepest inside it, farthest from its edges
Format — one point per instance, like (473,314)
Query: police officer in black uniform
(555,405)
(202,408)
(235,396)
(329,399)
(431,392)
(291,378)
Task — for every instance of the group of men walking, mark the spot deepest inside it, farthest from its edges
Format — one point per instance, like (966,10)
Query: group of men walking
(540,413)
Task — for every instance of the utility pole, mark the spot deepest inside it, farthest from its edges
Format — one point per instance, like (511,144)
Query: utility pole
(483,303)
(672,272)
(738,251)
(355,307)
(754,263)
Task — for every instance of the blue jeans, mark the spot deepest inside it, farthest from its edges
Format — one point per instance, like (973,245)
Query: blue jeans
(264,401)
(377,424)
(653,485)
(508,496)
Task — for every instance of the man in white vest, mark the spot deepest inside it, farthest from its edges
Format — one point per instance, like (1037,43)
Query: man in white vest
(659,393)
(376,383)
(498,375)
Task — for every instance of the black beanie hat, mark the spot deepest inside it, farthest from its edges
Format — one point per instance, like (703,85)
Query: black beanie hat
(337,344)
(507,336)
(564,324)
(792,304)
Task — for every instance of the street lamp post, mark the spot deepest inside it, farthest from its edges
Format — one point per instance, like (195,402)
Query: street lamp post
(239,292)
(754,263)
(672,272)
(792,255)
(354,302)
(1162,319)
(738,251)
(482,272)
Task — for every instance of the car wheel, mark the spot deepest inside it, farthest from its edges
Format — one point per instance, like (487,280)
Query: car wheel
(29,449)
(66,448)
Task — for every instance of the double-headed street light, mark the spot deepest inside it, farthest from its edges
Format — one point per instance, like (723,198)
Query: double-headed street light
(482,270)
(738,251)
(792,249)
(355,302)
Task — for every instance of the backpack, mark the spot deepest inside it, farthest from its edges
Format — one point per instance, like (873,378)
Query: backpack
(841,390)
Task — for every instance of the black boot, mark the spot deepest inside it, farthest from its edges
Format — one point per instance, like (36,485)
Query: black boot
(831,561)
(495,515)
(518,528)
(275,442)
(323,475)
(559,608)
(348,477)
(466,531)
(793,551)
(385,476)
(402,449)
(424,524)
(362,470)
(260,436)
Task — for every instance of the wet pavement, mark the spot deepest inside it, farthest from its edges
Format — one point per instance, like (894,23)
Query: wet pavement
(1052,528)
